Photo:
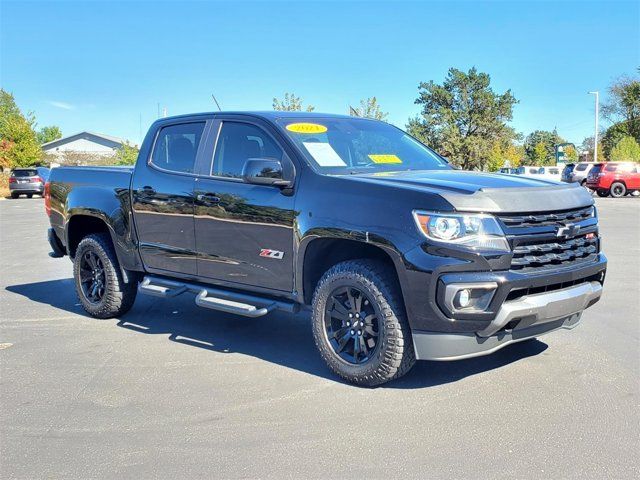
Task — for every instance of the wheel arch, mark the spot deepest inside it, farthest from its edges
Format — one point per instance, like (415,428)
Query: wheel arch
(321,253)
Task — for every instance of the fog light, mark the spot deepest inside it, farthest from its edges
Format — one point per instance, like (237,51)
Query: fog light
(468,297)
(464,297)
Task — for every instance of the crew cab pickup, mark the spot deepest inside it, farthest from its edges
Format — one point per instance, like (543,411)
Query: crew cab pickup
(398,255)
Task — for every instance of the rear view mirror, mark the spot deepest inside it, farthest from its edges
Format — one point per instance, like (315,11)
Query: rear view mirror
(264,171)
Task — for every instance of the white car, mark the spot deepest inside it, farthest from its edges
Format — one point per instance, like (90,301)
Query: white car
(543,173)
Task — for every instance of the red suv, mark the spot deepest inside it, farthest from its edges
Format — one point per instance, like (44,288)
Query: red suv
(615,178)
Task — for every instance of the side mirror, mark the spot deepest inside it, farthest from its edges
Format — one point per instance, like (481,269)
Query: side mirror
(264,171)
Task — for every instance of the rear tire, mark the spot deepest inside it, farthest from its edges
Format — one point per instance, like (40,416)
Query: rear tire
(98,279)
(603,193)
(29,195)
(386,349)
(618,190)
(14,195)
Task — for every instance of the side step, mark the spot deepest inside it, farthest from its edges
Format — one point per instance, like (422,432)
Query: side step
(215,298)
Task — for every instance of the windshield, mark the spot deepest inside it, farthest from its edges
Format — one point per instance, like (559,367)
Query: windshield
(338,146)
(24,173)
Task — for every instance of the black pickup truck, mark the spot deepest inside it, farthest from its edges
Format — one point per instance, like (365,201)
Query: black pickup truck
(399,256)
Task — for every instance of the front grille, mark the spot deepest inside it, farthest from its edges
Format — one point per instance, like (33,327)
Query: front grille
(559,253)
(538,243)
(542,219)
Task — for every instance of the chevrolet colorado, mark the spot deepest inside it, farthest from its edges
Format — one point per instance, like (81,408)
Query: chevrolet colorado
(399,256)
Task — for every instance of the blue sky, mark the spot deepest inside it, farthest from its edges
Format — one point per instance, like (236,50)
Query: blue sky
(100,66)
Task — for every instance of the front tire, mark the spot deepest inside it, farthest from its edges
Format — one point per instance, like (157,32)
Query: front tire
(359,323)
(98,279)
(618,190)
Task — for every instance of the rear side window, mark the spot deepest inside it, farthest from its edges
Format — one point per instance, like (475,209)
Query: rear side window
(582,167)
(239,142)
(176,147)
(24,173)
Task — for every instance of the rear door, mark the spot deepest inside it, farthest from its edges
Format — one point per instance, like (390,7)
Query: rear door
(163,201)
(244,232)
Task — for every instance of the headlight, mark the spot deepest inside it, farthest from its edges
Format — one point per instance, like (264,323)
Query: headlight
(473,231)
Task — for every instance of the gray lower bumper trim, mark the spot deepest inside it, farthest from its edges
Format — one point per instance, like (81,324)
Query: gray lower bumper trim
(535,315)
(458,346)
(545,307)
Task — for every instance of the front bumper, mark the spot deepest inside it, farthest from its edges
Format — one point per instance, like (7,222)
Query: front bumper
(516,320)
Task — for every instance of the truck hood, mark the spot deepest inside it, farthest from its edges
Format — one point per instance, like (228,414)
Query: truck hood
(487,192)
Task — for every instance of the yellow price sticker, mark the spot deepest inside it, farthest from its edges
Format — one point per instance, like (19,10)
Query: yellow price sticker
(306,128)
(385,158)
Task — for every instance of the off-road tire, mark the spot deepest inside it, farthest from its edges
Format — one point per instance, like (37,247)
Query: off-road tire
(119,296)
(618,190)
(395,354)
(602,193)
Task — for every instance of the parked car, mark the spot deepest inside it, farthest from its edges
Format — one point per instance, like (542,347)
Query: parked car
(527,171)
(580,173)
(566,172)
(508,171)
(400,256)
(25,181)
(550,173)
(614,178)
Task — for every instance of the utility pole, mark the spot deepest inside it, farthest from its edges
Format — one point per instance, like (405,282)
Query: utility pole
(595,135)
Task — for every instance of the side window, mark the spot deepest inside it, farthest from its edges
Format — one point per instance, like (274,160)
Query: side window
(237,143)
(176,147)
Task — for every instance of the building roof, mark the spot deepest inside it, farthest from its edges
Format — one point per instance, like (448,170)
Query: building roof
(70,138)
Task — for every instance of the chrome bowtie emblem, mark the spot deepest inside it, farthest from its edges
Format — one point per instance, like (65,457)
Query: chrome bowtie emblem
(569,230)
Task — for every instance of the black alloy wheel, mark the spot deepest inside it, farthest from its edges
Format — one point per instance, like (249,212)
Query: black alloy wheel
(351,325)
(618,190)
(92,277)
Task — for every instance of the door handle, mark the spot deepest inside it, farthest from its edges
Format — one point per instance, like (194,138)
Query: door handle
(207,198)
(146,190)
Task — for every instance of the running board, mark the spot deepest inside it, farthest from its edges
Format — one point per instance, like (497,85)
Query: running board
(215,298)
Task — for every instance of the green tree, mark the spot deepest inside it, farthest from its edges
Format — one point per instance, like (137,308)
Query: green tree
(623,106)
(19,146)
(570,154)
(627,150)
(496,158)
(290,103)
(539,155)
(587,148)
(127,154)
(369,108)
(48,134)
(463,118)
(514,154)
(549,140)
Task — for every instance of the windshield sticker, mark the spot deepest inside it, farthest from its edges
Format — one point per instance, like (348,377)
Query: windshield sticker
(324,154)
(306,128)
(385,158)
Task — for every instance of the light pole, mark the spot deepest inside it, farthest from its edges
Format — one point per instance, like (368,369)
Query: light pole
(595,135)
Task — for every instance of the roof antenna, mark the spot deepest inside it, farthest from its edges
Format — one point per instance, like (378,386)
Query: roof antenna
(217,104)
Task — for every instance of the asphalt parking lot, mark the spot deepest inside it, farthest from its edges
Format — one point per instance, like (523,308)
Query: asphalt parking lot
(170,390)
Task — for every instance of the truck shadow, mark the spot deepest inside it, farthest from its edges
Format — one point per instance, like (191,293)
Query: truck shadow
(279,338)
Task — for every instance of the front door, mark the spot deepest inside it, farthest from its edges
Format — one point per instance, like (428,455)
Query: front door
(163,201)
(244,233)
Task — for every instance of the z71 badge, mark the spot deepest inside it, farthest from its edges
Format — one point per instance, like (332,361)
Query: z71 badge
(266,252)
